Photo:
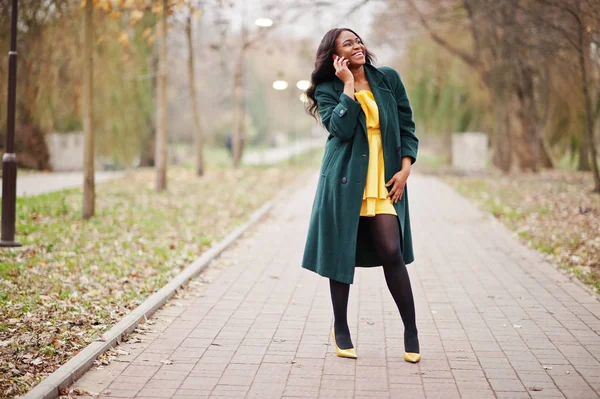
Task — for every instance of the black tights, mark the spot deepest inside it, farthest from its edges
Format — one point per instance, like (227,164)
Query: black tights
(386,236)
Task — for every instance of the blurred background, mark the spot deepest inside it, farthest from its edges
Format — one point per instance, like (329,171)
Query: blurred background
(505,95)
(523,72)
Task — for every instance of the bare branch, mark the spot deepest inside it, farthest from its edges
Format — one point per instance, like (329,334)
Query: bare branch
(467,58)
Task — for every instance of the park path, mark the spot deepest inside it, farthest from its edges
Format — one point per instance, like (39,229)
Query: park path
(29,184)
(40,183)
(495,319)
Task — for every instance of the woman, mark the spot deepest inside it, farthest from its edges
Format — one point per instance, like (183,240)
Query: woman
(360,213)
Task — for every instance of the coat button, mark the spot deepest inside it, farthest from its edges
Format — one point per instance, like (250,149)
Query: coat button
(342,112)
(398,147)
(344,180)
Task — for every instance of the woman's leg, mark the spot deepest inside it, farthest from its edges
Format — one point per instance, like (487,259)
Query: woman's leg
(386,236)
(339,299)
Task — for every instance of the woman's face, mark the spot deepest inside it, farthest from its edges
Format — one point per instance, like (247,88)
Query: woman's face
(349,46)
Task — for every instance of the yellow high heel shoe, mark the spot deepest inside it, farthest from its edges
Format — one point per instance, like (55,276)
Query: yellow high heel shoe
(349,353)
(412,357)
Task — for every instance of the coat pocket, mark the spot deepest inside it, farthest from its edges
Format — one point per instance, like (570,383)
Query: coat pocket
(330,156)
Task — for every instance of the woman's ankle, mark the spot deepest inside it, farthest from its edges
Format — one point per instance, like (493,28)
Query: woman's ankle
(411,341)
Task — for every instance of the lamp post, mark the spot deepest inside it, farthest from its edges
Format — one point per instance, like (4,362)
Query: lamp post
(239,106)
(281,85)
(9,159)
(303,85)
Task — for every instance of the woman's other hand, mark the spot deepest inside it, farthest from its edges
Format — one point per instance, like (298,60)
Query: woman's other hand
(397,182)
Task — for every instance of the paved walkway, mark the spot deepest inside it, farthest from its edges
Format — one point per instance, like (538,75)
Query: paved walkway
(271,156)
(495,320)
(40,183)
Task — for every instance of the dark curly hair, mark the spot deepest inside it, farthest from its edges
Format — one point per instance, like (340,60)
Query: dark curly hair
(324,70)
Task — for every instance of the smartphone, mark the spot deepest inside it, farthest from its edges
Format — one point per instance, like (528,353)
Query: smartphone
(334,56)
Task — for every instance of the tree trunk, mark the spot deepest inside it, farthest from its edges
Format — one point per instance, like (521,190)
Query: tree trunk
(237,138)
(583,163)
(89,195)
(237,130)
(161,103)
(526,139)
(148,150)
(526,147)
(545,160)
(501,139)
(198,137)
(589,124)
(501,143)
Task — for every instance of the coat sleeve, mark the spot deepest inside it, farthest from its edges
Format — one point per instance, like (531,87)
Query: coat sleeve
(340,114)
(409,141)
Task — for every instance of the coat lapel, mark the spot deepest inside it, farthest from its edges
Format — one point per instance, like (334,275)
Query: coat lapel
(380,91)
(382,95)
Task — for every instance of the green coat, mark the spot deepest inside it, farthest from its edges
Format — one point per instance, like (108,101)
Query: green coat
(334,245)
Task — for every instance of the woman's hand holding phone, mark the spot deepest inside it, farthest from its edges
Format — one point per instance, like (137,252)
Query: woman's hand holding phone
(341,70)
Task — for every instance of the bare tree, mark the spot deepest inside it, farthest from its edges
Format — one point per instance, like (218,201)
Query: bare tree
(489,24)
(247,39)
(508,49)
(198,133)
(573,22)
(237,134)
(583,45)
(161,103)
(89,194)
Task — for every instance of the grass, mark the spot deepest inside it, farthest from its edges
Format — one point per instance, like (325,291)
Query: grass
(73,279)
(555,212)
(431,163)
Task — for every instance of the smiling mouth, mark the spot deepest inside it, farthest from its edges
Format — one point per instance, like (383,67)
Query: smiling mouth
(358,54)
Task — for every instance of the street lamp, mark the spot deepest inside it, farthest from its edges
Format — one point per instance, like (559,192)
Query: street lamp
(280,85)
(264,22)
(9,159)
(303,85)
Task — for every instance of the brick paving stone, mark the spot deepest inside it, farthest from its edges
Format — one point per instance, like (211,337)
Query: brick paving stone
(191,393)
(406,390)
(199,383)
(475,384)
(512,395)
(120,393)
(127,382)
(154,392)
(506,385)
(495,319)
(339,392)
(478,395)
(546,393)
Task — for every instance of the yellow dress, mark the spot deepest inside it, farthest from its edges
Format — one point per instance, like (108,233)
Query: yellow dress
(375,199)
